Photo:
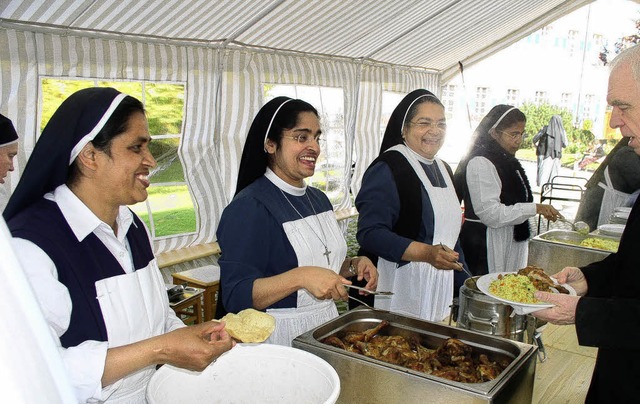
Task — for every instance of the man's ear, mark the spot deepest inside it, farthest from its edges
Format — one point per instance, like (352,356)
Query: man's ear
(87,156)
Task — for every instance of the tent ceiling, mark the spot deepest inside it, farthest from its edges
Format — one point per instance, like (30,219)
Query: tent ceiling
(430,34)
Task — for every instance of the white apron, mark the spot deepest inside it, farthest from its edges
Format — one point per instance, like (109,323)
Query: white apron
(420,290)
(611,199)
(310,312)
(134,307)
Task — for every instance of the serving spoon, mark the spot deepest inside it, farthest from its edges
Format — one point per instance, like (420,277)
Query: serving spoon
(579,226)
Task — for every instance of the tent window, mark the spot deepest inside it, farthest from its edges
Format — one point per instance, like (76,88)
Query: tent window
(390,101)
(329,101)
(169,210)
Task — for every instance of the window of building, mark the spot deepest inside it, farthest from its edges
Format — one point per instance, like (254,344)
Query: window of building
(545,31)
(573,43)
(598,40)
(565,101)
(448,99)
(169,209)
(588,106)
(513,97)
(330,167)
(540,98)
(481,100)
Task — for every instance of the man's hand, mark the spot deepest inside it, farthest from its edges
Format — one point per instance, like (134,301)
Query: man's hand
(564,311)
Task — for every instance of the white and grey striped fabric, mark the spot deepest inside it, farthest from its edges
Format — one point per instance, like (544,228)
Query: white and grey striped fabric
(224,91)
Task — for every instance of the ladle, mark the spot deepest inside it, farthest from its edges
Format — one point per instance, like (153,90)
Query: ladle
(580,227)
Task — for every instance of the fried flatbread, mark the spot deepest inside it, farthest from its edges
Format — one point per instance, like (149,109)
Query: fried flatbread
(249,325)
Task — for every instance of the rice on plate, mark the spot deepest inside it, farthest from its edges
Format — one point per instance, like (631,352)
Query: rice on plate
(513,287)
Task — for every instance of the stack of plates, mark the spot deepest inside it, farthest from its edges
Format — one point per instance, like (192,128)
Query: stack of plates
(620,215)
(614,230)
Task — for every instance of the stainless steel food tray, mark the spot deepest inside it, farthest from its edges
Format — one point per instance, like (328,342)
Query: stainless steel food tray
(553,250)
(368,380)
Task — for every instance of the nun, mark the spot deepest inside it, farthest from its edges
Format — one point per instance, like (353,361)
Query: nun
(497,196)
(8,150)
(89,258)
(282,248)
(409,215)
(549,142)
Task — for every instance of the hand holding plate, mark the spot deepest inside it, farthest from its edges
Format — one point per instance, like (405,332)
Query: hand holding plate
(562,313)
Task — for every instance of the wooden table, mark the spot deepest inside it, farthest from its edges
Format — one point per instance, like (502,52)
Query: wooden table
(189,309)
(206,278)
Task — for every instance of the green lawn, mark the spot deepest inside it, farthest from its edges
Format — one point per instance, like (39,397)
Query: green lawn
(173,210)
(567,160)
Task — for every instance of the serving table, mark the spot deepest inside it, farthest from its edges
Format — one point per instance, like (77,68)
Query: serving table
(189,308)
(206,278)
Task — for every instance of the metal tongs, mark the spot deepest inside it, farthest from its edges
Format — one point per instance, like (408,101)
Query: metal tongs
(371,292)
(458,263)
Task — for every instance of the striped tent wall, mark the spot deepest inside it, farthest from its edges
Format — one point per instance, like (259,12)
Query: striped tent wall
(224,91)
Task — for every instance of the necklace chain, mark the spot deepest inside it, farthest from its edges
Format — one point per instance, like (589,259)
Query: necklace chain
(323,239)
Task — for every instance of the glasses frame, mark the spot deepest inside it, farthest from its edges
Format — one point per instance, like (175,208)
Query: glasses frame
(316,138)
(424,126)
(511,136)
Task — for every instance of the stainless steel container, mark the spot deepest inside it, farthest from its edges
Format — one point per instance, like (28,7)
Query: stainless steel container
(553,250)
(479,312)
(368,380)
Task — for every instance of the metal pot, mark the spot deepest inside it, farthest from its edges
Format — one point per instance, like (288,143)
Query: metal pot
(478,312)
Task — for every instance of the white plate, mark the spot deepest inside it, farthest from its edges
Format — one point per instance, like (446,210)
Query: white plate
(485,281)
(611,229)
(622,209)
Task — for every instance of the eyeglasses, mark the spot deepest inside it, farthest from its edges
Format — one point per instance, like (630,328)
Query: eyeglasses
(512,135)
(424,125)
(304,138)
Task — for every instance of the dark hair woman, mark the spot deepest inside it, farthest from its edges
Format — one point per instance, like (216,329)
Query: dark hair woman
(283,250)
(497,195)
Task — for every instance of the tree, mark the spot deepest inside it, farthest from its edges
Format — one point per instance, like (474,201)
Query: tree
(539,116)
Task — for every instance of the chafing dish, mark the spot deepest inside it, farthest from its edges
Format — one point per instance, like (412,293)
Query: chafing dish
(368,380)
(556,249)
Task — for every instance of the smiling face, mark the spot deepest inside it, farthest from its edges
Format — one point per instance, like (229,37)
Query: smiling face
(294,161)
(624,96)
(426,130)
(122,174)
(510,137)
(7,153)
